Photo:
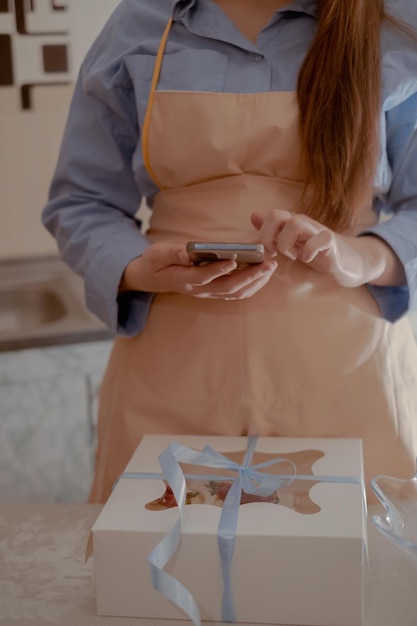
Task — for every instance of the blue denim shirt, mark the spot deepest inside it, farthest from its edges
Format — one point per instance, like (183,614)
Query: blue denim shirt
(100,176)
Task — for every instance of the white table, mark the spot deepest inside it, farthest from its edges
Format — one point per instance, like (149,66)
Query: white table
(44,580)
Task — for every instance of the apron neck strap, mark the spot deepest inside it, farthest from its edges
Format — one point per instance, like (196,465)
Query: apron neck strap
(146,124)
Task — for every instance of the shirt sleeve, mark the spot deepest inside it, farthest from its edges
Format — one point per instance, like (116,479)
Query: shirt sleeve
(400,203)
(94,196)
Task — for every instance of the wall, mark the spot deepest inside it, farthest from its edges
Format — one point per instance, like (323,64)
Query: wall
(42,43)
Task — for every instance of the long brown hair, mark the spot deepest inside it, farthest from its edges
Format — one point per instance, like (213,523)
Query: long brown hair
(339,97)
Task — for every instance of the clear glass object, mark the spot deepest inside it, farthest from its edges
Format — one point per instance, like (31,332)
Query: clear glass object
(399,523)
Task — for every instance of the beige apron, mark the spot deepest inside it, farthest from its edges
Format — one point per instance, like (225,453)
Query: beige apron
(302,357)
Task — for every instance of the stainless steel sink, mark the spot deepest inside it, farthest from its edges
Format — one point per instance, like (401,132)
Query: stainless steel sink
(42,304)
(29,308)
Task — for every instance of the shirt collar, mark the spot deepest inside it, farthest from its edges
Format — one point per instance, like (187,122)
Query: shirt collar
(303,6)
(181,7)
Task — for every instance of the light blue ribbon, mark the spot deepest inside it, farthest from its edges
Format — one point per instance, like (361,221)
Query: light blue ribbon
(248,478)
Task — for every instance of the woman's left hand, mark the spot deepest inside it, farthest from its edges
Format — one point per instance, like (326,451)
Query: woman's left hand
(352,261)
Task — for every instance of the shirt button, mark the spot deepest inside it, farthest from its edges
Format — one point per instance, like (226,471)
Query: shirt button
(257,57)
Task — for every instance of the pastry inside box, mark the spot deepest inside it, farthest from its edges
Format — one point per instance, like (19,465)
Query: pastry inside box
(299,552)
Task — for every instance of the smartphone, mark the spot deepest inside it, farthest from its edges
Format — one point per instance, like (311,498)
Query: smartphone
(242,253)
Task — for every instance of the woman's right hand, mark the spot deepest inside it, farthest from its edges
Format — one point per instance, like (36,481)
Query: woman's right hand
(167,267)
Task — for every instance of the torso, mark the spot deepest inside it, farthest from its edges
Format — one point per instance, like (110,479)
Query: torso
(302,357)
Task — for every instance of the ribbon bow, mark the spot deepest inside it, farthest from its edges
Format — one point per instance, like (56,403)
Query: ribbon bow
(248,478)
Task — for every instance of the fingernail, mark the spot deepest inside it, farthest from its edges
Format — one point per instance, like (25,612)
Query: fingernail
(229,266)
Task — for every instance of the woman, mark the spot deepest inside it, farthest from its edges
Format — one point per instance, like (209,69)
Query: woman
(239,120)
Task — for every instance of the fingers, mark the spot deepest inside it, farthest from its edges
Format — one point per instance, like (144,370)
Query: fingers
(247,280)
(296,236)
(206,273)
(165,267)
(182,257)
(323,242)
(237,285)
(271,227)
(250,289)
(257,220)
(176,254)
(162,254)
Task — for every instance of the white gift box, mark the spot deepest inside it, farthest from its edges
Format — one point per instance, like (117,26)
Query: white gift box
(288,567)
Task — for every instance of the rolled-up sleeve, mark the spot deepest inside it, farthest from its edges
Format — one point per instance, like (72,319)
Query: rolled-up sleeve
(400,203)
(94,196)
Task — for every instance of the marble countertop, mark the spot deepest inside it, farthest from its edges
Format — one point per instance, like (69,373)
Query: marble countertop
(44,580)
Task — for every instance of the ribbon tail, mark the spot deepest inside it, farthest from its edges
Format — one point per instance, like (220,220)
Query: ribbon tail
(227,535)
(163,582)
(166,584)
(226,541)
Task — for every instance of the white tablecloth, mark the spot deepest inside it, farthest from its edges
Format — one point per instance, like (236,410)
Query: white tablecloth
(44,580)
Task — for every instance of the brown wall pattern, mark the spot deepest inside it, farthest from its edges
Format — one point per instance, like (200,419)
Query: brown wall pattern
(34,45)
